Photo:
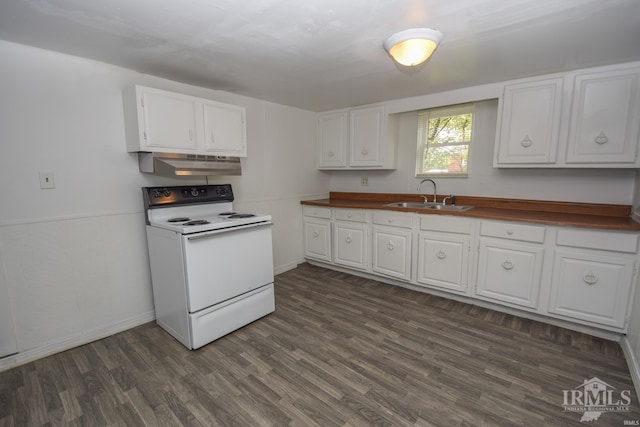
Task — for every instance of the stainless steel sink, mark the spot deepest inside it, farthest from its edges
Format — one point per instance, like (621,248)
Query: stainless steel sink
(430,206)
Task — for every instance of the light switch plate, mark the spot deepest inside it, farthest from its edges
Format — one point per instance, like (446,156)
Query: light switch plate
(46,180)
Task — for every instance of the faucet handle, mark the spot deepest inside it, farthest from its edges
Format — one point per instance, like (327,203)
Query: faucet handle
(426,199)
(450,196)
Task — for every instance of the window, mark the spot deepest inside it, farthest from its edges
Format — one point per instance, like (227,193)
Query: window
(444,137)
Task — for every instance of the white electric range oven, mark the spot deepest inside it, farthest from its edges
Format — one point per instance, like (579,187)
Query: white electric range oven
(211,267)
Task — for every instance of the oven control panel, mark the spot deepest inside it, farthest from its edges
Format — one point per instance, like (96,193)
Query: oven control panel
(181,195)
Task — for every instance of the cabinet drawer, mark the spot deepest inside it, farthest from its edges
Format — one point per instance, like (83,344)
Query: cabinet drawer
(393,219)
(447,224)
(356,215)
(605,240)
(508,230)
(316,212)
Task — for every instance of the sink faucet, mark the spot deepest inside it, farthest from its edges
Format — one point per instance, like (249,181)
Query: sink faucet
(426,200)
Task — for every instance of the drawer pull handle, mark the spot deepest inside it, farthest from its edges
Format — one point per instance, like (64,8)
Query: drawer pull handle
(365,151)
(390,245)
(441,254)
(348,238)
(526,142)
(330,154)
(601,138)
(316,234)
(507,265)
(590,279)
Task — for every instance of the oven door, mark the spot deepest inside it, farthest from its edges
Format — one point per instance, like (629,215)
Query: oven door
(223,264)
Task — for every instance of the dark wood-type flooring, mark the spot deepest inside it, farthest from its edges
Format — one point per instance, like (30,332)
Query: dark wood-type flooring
(339,351)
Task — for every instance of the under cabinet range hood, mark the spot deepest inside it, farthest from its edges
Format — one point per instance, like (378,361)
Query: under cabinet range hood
(177,165)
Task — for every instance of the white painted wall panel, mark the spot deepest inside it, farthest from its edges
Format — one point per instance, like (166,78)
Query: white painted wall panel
(75,257)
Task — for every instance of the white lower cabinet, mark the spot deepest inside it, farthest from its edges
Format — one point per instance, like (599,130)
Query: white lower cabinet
(443,252)
(593,285)
(392,240)
(443,261)
(351,238)
(582,276)
(317,233)
(510,262)
(509,272)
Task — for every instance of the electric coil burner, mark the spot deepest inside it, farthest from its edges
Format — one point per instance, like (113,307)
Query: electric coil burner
(211,267)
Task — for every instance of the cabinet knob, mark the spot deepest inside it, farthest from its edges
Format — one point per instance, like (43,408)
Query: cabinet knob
(348,238)
(349,215)
(590,279)
(365,151)
(510,232)
(390,220)
(316,234)
(390,245)
(601,138)
(441,254)
(507,265)
(330,154)
(526,142)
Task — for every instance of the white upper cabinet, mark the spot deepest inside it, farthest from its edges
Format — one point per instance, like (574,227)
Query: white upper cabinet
(359,138)
(333,131)
(604,118)
(367,136)
(589,118)
(530,123)
(224,129)
(169,122)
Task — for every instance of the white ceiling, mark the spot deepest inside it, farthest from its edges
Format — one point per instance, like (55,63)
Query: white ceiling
(325,54)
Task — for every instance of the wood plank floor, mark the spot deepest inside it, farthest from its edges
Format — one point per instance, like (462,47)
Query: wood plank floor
(339,351)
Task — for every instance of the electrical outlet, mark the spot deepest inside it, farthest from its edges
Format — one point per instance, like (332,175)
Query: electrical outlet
(46,180)
(364,181)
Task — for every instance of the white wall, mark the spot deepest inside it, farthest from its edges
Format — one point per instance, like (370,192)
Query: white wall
(74,259)
(575,185)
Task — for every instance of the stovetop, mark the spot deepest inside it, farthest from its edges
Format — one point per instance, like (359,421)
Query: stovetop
(195,209)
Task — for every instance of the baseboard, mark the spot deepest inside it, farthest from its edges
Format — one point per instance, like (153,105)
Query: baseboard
(67,343)
(286,267)
(632,363)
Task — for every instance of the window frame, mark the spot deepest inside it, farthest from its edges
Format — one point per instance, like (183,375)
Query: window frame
(424,116)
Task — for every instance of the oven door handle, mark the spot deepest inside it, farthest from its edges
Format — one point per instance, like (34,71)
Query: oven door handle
(227,230)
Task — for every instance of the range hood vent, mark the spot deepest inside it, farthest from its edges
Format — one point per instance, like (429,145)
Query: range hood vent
(186,165)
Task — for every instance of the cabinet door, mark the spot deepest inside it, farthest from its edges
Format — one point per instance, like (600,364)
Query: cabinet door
(529,129)
(605,118)
(366,136)
(168,121)
(443,261)
(332,139)
(317,239)
(350,245)
(509,272)
(224,130)
(591,286)
(392,252)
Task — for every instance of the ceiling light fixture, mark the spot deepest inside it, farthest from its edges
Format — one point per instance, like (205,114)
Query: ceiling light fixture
(414,46)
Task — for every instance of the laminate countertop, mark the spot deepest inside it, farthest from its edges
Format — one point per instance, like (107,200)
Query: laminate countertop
(585,215)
